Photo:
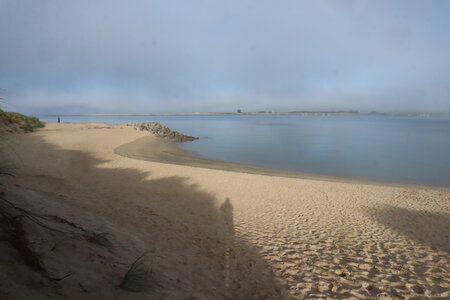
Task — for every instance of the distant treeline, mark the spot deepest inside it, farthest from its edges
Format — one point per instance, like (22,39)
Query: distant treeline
(324,112)
(262,112)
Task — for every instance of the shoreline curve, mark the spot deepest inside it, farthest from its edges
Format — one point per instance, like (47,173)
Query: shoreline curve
(163,151)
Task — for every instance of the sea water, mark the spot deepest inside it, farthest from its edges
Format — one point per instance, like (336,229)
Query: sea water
(390,148)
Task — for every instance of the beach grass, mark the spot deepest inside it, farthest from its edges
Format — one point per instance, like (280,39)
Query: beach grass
(138,278)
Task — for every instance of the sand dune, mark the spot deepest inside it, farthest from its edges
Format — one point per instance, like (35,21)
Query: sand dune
(217,234)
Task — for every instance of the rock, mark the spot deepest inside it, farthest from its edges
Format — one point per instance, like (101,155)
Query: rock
(164,132)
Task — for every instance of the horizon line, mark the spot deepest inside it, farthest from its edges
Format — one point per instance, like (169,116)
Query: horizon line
(373,113)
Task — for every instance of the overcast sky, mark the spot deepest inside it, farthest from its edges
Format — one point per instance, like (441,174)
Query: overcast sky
(187,56)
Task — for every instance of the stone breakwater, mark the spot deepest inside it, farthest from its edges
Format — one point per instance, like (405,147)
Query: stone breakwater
(163,131)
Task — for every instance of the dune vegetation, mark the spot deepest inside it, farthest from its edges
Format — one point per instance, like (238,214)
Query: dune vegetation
(13,121)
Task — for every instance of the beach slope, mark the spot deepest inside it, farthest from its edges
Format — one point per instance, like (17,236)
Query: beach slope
(216,234)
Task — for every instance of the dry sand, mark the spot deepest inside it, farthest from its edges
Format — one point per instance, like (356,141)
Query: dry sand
(218,234)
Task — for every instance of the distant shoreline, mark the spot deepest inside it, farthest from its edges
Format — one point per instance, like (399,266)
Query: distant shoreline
(295,113)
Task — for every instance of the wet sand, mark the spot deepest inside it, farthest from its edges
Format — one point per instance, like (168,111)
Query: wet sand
(161,150)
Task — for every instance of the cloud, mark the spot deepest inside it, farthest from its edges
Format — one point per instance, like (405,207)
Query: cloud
(153,56)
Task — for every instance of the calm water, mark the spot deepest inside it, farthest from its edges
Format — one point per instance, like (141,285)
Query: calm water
(402,149)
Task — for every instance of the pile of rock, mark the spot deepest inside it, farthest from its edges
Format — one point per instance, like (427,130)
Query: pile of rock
(163,131)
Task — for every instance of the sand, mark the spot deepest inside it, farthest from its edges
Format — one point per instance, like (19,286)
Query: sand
(217,233)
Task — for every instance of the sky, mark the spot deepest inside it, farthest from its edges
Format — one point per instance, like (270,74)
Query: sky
(134,56)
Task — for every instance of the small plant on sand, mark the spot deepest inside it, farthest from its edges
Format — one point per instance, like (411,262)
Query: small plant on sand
(101,238)
(139,276)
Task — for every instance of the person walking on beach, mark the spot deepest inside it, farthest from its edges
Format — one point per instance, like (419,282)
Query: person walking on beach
(59,120)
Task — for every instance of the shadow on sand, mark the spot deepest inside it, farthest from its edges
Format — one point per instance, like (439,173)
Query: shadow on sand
(420,226)
(195,251)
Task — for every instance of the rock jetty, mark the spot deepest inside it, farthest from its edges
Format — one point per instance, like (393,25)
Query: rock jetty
(163,131)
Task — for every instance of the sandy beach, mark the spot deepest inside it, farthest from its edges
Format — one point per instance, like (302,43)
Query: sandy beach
(217,230)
